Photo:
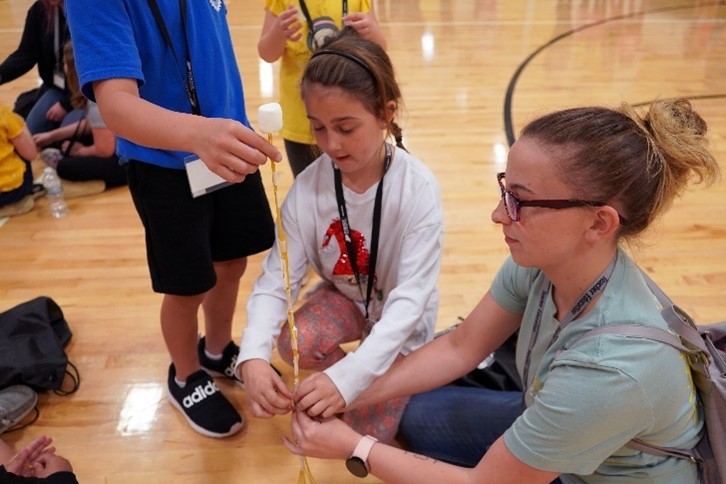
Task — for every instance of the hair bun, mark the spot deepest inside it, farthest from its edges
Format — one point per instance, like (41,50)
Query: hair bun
(674,118)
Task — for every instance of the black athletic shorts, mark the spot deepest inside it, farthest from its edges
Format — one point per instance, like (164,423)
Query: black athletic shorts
(185,235)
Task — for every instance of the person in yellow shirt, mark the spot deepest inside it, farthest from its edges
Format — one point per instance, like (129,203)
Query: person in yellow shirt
(16,150)
(291,31)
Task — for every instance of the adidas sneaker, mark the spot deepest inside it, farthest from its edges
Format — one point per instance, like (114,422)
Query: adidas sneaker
(223,367)
(205,407)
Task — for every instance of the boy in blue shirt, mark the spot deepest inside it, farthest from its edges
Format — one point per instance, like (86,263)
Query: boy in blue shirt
(167,84)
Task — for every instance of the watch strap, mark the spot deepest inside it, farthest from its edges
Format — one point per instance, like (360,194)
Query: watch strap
(363,449)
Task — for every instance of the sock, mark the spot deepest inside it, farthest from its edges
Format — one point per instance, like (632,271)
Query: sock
(211,356)
(181,384)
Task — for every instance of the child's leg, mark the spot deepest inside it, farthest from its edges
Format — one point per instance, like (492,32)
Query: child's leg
(380,420)
(179,327)
(327,320)
(219,304)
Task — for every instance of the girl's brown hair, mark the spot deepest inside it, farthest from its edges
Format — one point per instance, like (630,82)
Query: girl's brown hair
(78,100)
(361,68)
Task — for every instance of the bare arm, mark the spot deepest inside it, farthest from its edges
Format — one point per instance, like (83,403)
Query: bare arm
(24,144)
(333,439)
(104,144)
(276,30)
(59,134)
(446,358)
(227,147)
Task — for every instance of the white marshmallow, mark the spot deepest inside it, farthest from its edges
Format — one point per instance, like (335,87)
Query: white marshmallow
(269,117)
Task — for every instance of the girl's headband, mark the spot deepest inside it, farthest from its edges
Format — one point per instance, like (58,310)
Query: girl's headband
(347,56)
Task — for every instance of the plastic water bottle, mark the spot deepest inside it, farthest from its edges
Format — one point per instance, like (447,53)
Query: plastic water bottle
(54,192)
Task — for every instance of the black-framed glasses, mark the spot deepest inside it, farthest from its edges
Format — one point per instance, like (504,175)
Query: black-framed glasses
(512,204)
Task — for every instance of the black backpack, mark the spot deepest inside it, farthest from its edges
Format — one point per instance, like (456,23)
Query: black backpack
(33,337)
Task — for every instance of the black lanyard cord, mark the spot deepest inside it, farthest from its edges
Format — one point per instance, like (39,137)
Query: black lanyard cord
(375,231)
(189,84)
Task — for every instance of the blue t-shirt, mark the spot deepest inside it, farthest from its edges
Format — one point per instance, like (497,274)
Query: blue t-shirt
(121,39)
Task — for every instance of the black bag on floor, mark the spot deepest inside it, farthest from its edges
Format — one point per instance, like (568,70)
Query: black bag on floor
(497,372)
(33,336)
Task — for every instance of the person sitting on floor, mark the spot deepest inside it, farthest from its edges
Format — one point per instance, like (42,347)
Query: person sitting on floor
(17,149)
(36,463)
(87,148)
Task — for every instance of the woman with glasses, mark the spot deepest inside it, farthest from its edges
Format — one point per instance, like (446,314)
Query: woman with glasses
(578,182)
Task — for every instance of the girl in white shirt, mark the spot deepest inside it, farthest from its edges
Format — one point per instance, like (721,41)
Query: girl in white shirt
(381,287)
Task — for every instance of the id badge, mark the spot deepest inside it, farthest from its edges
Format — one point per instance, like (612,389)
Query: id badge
(202,180)
(59,81)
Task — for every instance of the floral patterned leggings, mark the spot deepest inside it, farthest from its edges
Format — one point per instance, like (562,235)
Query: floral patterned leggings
(327,320)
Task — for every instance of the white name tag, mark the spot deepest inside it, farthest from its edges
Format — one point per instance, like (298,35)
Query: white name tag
(202,180)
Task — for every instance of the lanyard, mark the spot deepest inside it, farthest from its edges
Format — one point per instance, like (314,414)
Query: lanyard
(56,39)
(309,19)
(189,84)
(375,231)
(577,309)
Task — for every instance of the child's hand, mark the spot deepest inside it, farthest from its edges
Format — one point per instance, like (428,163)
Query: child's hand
(230,149)
(268,394)
(319,397)
(364,23)
(288,24)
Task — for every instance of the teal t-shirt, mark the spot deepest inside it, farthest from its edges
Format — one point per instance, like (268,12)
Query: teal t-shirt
(587,400)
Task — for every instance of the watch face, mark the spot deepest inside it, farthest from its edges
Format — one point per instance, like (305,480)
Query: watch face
(357,467)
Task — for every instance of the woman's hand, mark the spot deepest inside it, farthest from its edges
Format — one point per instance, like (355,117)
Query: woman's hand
(56,113)
(324,439)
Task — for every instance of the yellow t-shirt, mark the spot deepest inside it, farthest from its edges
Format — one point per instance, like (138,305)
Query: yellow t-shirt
(295,124)
(12,166)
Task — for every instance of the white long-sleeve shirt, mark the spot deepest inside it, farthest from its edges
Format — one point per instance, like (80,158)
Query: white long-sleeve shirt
(409,256)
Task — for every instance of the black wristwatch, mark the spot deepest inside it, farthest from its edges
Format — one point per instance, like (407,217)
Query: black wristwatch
(357,463)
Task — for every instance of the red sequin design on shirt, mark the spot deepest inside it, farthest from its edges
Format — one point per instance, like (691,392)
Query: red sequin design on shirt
(343,267)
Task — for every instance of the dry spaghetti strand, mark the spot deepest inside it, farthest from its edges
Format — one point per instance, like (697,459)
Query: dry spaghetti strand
(305,476)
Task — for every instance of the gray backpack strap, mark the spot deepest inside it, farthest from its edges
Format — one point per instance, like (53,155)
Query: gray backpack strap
(662,336)
(640,331)
(643,446)
(676,318)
